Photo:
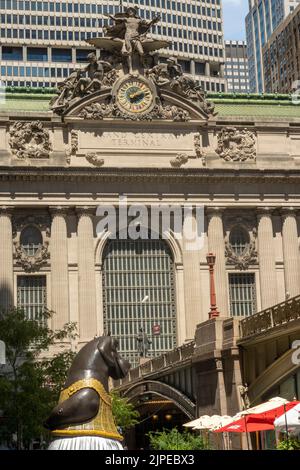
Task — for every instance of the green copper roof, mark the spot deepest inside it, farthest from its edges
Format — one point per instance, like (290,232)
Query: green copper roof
(36,100)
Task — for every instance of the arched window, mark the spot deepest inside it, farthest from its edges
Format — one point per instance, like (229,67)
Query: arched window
(239,240)
(31,240)
(139,292)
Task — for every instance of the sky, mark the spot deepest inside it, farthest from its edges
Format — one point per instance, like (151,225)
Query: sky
(234,12)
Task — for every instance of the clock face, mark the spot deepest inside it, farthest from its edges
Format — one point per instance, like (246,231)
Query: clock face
(135,96)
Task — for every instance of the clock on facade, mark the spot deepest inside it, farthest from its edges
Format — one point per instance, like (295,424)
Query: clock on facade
(135,95)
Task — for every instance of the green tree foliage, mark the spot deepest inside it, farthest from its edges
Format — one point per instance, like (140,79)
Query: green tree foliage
(30,382)
(175,440)
(290,443)
(124,412)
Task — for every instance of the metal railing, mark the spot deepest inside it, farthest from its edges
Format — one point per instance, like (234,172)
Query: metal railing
(280,314)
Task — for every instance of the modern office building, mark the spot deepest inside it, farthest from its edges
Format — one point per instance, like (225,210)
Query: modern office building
(263,18)
(282,56)
(41,41)
(236,67)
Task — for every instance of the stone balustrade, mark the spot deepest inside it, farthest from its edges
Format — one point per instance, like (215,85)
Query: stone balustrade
(280,314)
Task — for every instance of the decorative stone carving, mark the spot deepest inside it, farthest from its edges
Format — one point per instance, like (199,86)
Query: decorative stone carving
(200,152)
(73,148)
(96,75)
(34,262)
(102,110)
(179,160)
(236,145)
(94,159)
(29,140)
(249,255)
(43,222)
(243,390)
(170,76)
(31,263)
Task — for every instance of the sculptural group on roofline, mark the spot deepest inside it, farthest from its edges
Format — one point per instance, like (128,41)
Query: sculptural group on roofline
(127,75)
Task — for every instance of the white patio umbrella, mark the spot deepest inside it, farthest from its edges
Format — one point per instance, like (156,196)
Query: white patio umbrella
(264,407)
(191,424)
(212,422)
(289,421)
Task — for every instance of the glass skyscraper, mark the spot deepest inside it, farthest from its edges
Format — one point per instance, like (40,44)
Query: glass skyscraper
(264,16)
(41,41)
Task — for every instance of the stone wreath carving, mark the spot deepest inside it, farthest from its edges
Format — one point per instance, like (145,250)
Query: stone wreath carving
(94,159)
(247,257)
(29,140)
(34,262)
(111,110)
(236,145)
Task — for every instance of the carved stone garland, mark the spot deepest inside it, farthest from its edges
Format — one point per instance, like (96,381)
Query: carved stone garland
(29,140)
(110,110)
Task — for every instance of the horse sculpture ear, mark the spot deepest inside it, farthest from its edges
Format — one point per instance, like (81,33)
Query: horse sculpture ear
(105,347)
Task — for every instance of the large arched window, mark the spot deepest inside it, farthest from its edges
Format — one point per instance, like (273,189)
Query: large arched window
(31,240)
(133,272)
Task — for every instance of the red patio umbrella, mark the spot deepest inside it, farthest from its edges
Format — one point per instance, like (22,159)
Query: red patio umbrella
(270,416)
(258,421)
(243,425)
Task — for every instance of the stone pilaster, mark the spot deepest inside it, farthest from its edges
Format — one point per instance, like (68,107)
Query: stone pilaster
(290,252)
(86,274)
(216,245)
(192,282)
(6,258)
(266,254)
(59,268)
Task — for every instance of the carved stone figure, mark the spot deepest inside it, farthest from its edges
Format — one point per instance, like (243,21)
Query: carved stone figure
(130,30)
(170,75)
(84,81)
(83,418)
(29,140)
(143,343)
(243,389)
(236,145)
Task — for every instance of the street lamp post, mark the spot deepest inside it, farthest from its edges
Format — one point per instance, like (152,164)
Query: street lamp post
(214,313)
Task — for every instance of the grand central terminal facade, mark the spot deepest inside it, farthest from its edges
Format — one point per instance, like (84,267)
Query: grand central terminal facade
(145,132)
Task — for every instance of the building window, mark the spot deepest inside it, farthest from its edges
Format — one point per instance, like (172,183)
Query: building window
(242,294)
(31,240)
(133,271)
(32,295)
(239,240)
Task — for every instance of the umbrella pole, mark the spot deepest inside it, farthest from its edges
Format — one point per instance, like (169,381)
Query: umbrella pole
(286,424)
(248,446)
(257,441)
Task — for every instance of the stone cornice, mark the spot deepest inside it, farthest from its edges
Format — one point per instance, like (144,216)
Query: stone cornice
(145,174)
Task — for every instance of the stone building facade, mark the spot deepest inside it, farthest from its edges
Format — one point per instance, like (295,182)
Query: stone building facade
(240,162)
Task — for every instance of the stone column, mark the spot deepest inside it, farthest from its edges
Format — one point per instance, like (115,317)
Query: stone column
(6,259)
(192,284)
(86,274)
(290,252)
(207,69)
(59,268)
(216,245)
(266,255)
